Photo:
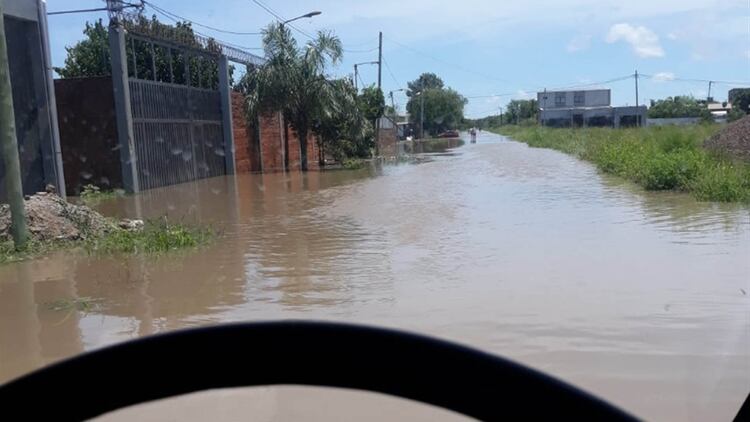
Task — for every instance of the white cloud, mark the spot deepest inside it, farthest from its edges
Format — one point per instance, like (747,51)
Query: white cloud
(578,43)
(673,36)
(663,76)
(645,42)
(747,54)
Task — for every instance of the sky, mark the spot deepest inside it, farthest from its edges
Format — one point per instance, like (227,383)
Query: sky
(495,51)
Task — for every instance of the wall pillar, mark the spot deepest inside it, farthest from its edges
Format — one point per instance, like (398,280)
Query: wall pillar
(123,112)
(226,115)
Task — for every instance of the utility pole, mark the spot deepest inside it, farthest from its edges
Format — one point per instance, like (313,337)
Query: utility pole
(9,146)
(380,58)
(709,91)
(393,105)
(636,97)
(355,78)
(421,115)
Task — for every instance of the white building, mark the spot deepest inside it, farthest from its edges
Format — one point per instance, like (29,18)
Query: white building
(586,108)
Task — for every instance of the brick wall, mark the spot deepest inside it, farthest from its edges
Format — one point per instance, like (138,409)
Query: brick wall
(241,135)
(294,151)
(264,149)
(387,141)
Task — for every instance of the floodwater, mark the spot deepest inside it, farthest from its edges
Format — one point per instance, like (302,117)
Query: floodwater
(641,298)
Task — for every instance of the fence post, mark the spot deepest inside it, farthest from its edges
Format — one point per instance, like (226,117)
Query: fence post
(122,107)
(226,114)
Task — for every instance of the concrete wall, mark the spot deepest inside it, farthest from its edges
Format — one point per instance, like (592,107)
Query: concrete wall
(600,116)
(591,98)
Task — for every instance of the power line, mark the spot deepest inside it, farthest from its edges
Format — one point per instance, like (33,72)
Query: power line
(361,51)
(241,47)
(164,11)
(467,70)
(507,94)
(673,79)
(390,72)
(280,18)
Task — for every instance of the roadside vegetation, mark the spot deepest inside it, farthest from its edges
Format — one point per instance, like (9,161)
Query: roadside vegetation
(656,158)
(92,194)
(155,237)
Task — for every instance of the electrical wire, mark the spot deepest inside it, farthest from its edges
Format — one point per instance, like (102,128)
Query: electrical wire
(459,67)
(167,12)
(390,72)
(280,18)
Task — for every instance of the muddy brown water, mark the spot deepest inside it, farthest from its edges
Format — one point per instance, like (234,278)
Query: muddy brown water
(641,298)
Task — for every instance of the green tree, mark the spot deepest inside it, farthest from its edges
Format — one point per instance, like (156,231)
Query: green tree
(425,81)
(88,57)
(371,102)
(519,110)
(343,130)
(678,106)
(443,109)
(292,80)
(740,97)
(91,56)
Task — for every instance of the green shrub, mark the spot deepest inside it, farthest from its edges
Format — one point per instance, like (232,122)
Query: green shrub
(658,158)
(156,236)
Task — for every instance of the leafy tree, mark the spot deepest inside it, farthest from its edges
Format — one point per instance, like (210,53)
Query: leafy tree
(292,80)
(520,110)
(89,57)
(343,130)
(740,99)
(678,106)
(425,81)
(371,102)
(443,109)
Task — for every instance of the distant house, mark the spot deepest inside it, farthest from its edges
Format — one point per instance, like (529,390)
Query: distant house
(586,108)
(33,97)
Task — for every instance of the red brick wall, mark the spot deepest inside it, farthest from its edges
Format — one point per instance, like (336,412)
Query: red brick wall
(294,151)
(267,153)
(246,158)
(387,142)
(271,143)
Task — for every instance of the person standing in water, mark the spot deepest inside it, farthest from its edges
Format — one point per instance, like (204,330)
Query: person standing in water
(473,133)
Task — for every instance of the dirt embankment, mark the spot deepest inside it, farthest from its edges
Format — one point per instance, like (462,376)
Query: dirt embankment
(49,218)
(733,140)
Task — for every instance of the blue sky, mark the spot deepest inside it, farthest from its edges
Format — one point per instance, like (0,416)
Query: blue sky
(482,47)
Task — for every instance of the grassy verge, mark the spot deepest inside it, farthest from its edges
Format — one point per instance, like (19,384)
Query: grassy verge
(657,158)
(155,238)
(91,194)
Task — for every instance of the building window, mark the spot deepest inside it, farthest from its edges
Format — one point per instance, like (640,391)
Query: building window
(559,99)
(579,98)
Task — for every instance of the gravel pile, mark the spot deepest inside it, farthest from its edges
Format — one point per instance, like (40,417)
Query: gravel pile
(733,140)
(49,217)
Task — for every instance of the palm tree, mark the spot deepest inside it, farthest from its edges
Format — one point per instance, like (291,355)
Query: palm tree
(292,80)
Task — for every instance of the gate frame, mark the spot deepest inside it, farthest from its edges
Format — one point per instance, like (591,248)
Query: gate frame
(122,98)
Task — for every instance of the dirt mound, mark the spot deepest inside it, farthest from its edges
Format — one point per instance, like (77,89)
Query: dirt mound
(733,139)
(51,218)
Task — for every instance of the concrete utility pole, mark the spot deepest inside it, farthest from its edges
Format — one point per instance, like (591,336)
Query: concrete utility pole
(9,146)
(421,115)
(709,91)
(638,120)
(355,78)
(380,58)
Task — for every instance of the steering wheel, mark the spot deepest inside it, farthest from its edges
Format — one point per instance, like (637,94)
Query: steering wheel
(387,361)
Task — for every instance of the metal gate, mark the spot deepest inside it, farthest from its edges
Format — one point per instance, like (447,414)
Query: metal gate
(177,133)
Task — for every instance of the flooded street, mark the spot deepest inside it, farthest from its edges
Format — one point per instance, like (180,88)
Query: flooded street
(641,298)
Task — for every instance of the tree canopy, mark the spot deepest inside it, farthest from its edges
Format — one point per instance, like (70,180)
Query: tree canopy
(293,80)
(678,106)
(371,102)
(426,80)
(443,109)
(91,56)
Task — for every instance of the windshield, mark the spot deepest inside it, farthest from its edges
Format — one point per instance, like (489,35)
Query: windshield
(565,184)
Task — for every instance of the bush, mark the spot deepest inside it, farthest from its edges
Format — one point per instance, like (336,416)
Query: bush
(156,236)
(658,158)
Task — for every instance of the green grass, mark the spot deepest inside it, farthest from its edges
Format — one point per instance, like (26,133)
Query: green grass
(657,158)
(157,237)
(353,163)
(92,194)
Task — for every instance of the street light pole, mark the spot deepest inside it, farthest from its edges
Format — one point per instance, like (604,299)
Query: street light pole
(421,115)
(306,15)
